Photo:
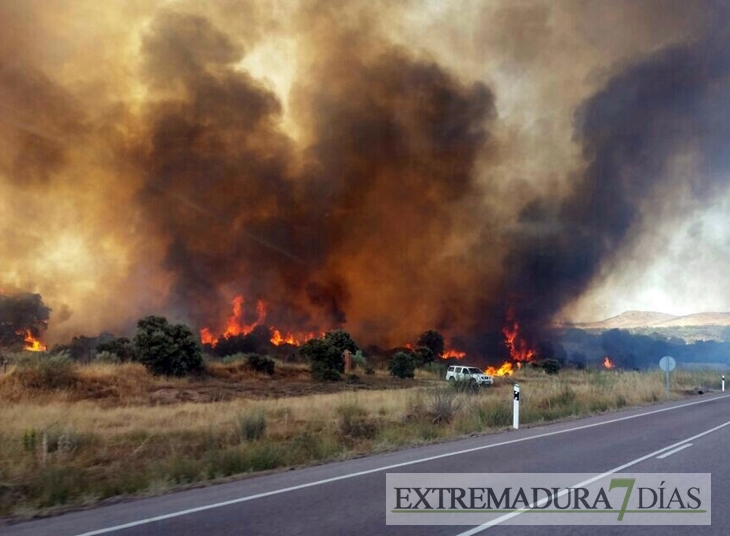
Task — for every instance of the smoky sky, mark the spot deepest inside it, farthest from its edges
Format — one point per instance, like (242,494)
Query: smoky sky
(382,168)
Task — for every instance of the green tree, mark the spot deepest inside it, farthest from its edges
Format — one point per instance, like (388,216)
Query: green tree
(326,361)
(403,365)
(341,340)
(169,349)
(122,347)
(424,355)
(433,340)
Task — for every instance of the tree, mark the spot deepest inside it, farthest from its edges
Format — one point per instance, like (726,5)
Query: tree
(121,347)
(433,340)
(424,355)
(403,365)
(21,314)
(169,349)
(326,361)
(341,340)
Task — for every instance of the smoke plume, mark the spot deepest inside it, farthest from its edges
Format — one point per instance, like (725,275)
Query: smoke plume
(385,168)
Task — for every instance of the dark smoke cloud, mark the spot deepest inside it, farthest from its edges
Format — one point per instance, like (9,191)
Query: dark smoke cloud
(20,314)
(396,143)
(389,180)
(672,103)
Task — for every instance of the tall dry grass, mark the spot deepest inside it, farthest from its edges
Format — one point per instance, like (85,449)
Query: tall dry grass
(58,450)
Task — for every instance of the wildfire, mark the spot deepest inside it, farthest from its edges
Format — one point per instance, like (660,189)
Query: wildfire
(236,325)
(519,350)
(607,363)
(456,354)
(277,338)
(504,370)
(31,344)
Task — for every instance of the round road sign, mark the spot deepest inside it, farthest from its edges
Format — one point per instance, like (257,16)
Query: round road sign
(667,363)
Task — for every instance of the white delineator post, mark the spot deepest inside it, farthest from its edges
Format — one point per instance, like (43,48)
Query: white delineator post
(516,408)
(723,383)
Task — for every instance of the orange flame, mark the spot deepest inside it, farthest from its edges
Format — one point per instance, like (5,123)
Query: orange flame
(453,354)
(504,370)
(518,347)
(607,363)
(31,344)
(236,325)
(278,338)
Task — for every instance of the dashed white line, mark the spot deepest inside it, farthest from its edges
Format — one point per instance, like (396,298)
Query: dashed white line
(673,451)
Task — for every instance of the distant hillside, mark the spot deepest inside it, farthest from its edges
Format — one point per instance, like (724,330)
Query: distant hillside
(694,327)
(629,320)
(699,319)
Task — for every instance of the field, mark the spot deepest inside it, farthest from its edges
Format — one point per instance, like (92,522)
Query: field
(90,433)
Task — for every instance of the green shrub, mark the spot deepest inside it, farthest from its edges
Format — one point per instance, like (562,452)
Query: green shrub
(424,355)
(250,426)
(260,363)
(167,349)
(354,422)
(467,385)
(47,373)
(358,360)
(551,366)
(442,405)
(403,365)
(326,361)
(433,340)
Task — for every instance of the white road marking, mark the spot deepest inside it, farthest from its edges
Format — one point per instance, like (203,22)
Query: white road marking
(673,451)
(502,519)
(239,500)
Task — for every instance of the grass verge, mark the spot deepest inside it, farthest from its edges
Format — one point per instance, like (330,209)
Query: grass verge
(56,451)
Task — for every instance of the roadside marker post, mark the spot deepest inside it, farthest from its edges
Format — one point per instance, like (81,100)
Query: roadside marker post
(723,383)
(516,408)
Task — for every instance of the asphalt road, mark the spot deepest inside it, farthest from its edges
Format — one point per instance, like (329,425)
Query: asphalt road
(349,497)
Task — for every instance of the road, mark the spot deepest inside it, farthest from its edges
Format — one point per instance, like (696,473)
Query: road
(348,497)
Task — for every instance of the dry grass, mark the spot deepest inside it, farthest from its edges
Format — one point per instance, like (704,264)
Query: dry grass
(71,446)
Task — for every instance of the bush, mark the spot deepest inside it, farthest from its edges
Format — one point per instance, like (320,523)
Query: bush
(167,349)
(325,359)
(358,360)
(250,426)
(47,373)
(121,347)
(354,422)
(403,365)
(465,386)
(424,355)
(433,340)
(442,406)
(341,340)
(551,366)
(260,363)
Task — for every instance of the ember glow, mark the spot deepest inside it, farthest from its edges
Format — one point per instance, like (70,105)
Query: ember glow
(519,350)
(607,363)
(506,369)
